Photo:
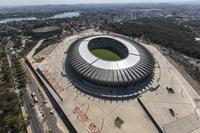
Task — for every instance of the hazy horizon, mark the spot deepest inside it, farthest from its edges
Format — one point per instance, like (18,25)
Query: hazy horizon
(53,2)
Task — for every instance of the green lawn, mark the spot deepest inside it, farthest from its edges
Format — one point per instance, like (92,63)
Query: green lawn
(105,54)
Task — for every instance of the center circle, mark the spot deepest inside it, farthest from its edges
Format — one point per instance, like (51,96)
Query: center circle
(108,49)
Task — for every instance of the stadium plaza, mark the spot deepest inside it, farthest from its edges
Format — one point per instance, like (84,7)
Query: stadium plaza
(159,107)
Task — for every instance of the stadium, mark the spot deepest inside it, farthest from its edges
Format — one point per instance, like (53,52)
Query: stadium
(109,66)
(106,82)
(46,31)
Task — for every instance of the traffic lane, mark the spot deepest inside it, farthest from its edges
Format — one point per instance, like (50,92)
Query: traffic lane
(35,124)
(29,98)
(50,119)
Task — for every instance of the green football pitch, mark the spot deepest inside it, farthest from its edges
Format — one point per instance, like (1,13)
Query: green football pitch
(105,54)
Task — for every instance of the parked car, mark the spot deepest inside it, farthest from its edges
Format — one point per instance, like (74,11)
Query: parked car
(33,94)
(35,99)
(52,111)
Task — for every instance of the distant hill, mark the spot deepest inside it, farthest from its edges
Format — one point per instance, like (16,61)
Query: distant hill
(194,2)
(63,7)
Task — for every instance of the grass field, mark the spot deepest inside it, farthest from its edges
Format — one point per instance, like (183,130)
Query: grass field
(105,54)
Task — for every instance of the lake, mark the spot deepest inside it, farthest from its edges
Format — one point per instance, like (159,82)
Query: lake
(57,16)
(66,15)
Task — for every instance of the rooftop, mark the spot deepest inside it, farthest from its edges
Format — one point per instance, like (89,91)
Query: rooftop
(46,29)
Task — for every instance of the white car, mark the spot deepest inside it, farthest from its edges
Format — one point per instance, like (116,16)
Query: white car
(52,111)
(35,99)
(33,94)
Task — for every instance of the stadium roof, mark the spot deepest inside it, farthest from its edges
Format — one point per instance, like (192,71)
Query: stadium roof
(138,64)
(46,29)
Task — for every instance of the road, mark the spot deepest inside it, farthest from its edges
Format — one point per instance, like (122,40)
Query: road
(36,125)
(50,119)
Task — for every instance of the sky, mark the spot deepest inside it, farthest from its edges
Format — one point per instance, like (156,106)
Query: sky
(41,2)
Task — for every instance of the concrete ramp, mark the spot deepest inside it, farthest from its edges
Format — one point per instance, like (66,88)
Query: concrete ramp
(186,124)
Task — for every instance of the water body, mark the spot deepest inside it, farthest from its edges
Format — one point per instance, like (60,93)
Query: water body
(17,19)
(63,15)
(66,15)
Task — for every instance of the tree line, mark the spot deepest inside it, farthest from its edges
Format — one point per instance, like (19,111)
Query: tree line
(11,119)
(163,32)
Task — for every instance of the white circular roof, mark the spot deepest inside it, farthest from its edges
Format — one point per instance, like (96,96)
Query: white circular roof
(132,59)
